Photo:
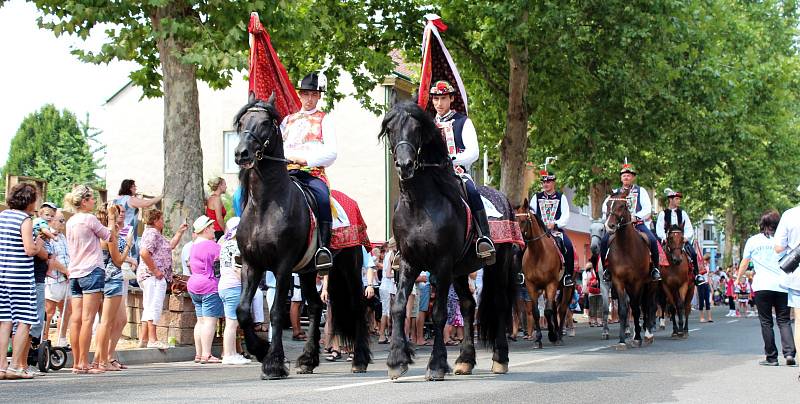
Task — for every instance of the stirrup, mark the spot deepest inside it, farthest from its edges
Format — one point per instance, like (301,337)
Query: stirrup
(520,278)
(564,281)
(323,259)
(606,275)
(699,280)
(484,249)
(655,274)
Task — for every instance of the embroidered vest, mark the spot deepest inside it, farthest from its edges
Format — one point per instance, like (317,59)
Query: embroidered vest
(549,207)
(668,219)
(452,128)
(634,204)
(302,132)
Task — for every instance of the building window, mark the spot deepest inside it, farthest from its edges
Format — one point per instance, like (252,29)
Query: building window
(230,139)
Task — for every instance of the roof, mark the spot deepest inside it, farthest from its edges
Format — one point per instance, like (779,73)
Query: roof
(403,68)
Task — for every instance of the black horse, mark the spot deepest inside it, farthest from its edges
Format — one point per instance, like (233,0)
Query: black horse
(274,235)
(431,229)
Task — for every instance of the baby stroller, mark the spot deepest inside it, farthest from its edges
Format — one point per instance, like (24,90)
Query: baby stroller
(44,356)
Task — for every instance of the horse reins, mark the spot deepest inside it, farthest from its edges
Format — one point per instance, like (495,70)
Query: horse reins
(620,223)
(529,220)
(259,155)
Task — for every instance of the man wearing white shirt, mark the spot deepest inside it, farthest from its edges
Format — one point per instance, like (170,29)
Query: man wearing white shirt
(641,211)
(787,237)
(553,208)
(673,217)
(309,141)
(462,145)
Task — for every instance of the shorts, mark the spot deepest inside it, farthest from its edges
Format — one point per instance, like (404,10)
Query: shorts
(415,305)
(424,297)
(386,302)
(230,301)
(297,294)
(56,292)
(92,283)
(153,292)
(595,306)
(113,287)
(207,305)
(523,295)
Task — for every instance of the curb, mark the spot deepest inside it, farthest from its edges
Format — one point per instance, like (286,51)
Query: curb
(143,356)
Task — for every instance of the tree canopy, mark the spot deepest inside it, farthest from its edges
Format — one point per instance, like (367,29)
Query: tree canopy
(54,146)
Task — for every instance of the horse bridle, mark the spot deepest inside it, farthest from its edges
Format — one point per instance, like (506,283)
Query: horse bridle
(620,218)
(529,219)
(259,154)
(669,234)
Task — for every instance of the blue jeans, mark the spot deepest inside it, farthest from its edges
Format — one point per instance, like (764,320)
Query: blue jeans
(320,192)
(569,258)
(207,305)
(36,329)
(230,300)
(473,196)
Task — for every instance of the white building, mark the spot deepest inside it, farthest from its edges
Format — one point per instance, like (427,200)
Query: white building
(133,130)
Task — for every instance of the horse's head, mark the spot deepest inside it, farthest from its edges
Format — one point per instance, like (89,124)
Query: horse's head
(259,133)
(675,245)
(414,140)
(619,214)
(530,225)
(597,229)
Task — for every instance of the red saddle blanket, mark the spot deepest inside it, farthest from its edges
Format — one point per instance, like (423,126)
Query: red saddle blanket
(347,236)
(506,231)
(662,257)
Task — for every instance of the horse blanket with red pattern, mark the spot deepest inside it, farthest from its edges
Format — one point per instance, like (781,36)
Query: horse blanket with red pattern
(504,229)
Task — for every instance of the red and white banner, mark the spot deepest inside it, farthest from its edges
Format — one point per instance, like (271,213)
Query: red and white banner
(267,74)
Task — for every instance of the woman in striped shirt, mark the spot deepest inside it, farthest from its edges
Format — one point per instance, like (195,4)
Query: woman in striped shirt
(17,290)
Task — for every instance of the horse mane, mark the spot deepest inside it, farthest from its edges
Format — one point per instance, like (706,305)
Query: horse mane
(433,148)
(244,178)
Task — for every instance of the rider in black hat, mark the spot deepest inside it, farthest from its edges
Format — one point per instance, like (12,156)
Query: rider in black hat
(309,141)
(675,217)
(553,208)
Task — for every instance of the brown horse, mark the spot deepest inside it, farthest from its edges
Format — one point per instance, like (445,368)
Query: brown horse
(629,263)
(677,286)
(543,268)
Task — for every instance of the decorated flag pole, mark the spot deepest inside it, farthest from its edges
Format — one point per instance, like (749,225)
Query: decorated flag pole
(437,64)
(267,74)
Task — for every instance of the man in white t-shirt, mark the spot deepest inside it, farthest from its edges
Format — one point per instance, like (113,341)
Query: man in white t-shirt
(769,294)
(787,237)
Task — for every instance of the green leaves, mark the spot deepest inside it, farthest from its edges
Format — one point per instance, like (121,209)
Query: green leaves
(52,145)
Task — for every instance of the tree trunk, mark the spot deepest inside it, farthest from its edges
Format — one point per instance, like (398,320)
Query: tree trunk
(514,146)
(598,193)
(183,156)
(730,228)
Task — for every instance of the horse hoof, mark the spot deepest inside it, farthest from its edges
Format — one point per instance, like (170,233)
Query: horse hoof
(636,343)
(685,335)
(662,327)
(396,373)
(359,369)
(649,340)
(537,345)
(675,335)
(558,342)
(304,370)
(621,346)
(463,369)
(552,336)
(434,375)
(499,368)
(274,377)
(604,337)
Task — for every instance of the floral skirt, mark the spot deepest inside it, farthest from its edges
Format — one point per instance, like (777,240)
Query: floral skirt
(454,309)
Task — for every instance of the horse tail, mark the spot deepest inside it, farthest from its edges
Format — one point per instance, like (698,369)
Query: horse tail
(347,303)
(498,294)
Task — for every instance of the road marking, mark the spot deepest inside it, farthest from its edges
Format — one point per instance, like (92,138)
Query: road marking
(595,349)
(694,329)
(732,321)
(370,383)
(549,358)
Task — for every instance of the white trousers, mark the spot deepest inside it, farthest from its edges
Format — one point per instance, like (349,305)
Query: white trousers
(153,293)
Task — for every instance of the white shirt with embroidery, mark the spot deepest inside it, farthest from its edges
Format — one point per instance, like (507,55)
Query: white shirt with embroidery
(316,154)
(688,230)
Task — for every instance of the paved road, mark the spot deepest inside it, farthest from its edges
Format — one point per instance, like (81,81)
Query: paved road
(716,364)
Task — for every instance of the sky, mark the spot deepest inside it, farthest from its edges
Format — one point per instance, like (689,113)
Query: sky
(38,69)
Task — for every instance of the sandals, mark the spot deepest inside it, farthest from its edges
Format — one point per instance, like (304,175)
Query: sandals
(300,337)
(260,327)
(453,342)
(383,341)
(17,374)
(118,365)
(210,359)
(334,356)
(197,358)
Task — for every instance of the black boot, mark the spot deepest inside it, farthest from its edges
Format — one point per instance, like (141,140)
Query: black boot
(606,274)
(655,273)
(484,247)
(323,259)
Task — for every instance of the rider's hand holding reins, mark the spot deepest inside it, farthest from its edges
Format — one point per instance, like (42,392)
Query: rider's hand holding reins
(298,160)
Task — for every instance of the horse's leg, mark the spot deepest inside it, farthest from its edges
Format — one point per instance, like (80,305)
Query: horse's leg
(437,366)
(606,293)
(309,359)
(466,358)
(636,307)
(687,307)
(400,352)
(623,314)
(273,367)
(250,279)
(538,327)
(563,310)
(680,308)
(553,332)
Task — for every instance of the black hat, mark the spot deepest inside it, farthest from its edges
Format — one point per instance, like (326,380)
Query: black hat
(312,82)
(547,175)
